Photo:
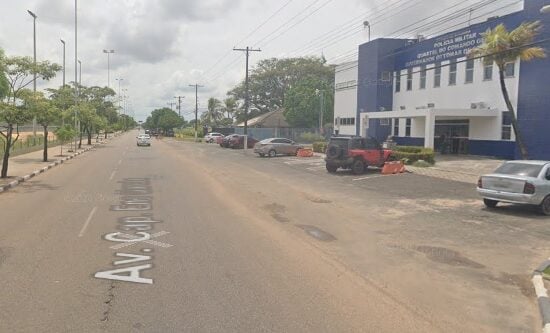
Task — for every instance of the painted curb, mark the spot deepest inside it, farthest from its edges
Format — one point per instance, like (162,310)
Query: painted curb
(542,295)
(35,173)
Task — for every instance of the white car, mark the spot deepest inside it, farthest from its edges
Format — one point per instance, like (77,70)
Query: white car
(518,182)
(211,137)
(143,140)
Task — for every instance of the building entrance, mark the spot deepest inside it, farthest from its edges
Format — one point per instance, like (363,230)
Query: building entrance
(452,136)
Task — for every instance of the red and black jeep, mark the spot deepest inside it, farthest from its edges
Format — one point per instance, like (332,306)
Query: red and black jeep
(355,153)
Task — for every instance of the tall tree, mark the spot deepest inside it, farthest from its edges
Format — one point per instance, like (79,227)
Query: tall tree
(18,73)
(165,119)
(501,47)
(271,80)
(303,103)
(214,114)
(45,113)
(230,106)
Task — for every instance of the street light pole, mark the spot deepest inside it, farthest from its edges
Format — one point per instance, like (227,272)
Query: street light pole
(366,24)
(34,62)
(118,99)
(75,71)
(109,52)
(80,74)
(63,42)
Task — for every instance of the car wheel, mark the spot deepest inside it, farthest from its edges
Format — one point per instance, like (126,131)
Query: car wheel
(272,153)
(490,203)
(331,168)
(544,207)
(358,167)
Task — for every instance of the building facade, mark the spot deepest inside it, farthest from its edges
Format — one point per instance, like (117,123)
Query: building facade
(428,93)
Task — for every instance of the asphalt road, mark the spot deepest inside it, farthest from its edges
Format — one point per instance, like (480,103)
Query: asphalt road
(173,239)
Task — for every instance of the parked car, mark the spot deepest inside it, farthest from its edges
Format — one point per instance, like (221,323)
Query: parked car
(211,137)
(518,182)
(355,153)
(219,139)
(226,140)
(237,142)
(276,146)
(143,140)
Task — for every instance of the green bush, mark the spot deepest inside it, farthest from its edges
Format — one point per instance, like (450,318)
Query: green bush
(320,147)
(188,132)
(410,155)
(309,137)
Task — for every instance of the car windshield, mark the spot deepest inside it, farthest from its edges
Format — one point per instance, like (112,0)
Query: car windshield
(519,169)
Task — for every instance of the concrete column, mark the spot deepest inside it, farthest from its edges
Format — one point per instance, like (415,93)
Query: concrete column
(429,131)
(364,125)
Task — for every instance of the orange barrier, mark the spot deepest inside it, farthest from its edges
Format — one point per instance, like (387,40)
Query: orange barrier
(304,153)
(391,168)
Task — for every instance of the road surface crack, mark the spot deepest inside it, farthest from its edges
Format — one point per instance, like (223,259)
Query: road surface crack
(109,302)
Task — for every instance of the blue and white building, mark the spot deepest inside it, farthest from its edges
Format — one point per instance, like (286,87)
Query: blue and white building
(420,91)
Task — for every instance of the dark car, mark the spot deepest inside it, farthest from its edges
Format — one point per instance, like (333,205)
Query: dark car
(226,140)
(237,142)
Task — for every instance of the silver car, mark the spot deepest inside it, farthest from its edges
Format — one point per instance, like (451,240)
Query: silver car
(143,140)
(276,146)
(518,182)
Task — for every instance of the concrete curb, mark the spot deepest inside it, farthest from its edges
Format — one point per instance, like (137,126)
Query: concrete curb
(35,173)
(542,295)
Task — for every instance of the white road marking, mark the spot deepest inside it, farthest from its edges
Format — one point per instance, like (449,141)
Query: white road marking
(150,241)
(81,233)
(320,167)
(119,162)
(112,175)
(369,177)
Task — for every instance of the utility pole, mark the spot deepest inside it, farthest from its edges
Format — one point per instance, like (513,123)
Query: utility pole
(172,104)
(119,97)
(247,97)
(197,86)
(80,73)
(179,104)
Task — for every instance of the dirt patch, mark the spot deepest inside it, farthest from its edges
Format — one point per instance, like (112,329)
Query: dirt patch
(522,282)
(277,212)
(317,200)
(450,203)
(448,257)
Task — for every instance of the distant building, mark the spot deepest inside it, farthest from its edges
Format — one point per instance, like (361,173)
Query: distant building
(273,119)
(423,91)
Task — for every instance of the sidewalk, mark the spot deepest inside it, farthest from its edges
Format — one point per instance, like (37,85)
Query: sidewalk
(460,168)
(26,164)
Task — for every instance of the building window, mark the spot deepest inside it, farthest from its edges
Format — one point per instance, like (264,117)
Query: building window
(408,127)
(437,75)
(396,127)
(397,81)
(452,72)
(409,79)
(347,121)
(510,69)
(488,72)
(470,71)
(423,77)
(507,125)
(385,122)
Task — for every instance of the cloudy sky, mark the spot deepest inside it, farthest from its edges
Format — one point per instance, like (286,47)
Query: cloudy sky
(163,46)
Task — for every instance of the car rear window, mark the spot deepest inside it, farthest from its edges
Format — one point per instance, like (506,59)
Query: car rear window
(343,143)
(520,169)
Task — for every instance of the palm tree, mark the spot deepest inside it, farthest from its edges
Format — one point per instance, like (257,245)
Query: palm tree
(230,106)
(214,113)
(501,46)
